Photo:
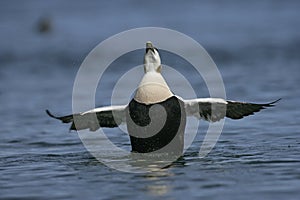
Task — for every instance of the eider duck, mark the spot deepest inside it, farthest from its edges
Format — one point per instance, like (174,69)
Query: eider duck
(155,117)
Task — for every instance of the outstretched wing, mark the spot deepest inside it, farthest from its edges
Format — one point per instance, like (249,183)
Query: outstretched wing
(110,116)
(214,109)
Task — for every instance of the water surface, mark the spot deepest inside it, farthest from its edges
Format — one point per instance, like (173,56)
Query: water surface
(255,46)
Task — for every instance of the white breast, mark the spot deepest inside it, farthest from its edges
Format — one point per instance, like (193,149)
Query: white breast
(152,89)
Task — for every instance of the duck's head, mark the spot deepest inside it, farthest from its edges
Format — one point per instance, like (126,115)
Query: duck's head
(152,61)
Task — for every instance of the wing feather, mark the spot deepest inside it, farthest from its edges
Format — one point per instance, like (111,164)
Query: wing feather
(238,110)
(214,109)
(110,116)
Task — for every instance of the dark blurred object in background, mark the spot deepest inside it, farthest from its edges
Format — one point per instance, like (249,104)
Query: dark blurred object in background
(44,25)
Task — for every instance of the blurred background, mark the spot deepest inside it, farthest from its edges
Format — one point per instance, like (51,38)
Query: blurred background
(255,45)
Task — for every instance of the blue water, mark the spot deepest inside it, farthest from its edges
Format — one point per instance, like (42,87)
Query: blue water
(255,45)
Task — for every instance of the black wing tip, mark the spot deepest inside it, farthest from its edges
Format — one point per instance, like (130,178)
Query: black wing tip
(63,119)
(50,114)
(276,101)
(271,104)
